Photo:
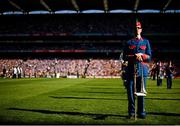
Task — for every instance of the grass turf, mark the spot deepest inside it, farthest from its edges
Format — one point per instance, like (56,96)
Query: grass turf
(83,101)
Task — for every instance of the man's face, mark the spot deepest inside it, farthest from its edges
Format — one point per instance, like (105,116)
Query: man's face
(138,30)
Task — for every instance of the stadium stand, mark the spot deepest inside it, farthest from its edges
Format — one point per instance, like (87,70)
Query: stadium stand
(93,40)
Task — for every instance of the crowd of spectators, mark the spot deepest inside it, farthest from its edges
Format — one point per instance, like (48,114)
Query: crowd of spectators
(64,25)
(75,25)
(78,68)
(86,24)
(59,47)
(52,68)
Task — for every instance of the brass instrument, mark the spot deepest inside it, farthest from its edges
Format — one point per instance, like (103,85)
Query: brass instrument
(143,91)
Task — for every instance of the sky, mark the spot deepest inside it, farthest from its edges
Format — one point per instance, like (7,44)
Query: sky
(92,11)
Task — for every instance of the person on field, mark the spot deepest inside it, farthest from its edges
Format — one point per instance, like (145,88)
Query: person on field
(123,74)
(169,74)
(137,52)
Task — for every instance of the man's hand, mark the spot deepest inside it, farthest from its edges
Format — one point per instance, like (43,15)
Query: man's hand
(139,56)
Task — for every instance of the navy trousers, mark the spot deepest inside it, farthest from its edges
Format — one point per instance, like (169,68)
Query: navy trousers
(131,97)
(169,82)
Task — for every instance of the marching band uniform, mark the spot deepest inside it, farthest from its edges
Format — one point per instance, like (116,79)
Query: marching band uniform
(157,73)
(160,75)
(169,75)
(136,46)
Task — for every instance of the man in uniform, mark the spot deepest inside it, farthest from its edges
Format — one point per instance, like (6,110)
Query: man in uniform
(137,52)
(169,74)
(123,74)
(158,73)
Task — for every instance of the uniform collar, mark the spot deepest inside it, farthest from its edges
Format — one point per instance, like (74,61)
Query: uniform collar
(136,39)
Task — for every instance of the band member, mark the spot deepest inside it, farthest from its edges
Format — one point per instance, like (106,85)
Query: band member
(123,74)
(160,76)
(157,73)
(169,74)
(137,52)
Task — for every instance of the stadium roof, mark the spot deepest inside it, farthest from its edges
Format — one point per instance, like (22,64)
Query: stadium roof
(88,6)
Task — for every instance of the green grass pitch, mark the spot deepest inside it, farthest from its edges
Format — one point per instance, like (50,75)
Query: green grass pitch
(83,101)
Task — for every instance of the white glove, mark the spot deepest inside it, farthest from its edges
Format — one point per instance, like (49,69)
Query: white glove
(139,56)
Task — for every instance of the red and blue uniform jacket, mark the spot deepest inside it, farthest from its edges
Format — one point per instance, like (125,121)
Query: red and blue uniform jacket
(132,47)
